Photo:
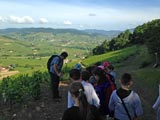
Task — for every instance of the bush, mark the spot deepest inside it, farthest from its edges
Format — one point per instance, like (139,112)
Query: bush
(145,64)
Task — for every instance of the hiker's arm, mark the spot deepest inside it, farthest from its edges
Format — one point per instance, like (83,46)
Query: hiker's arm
(156,104)
(56,70)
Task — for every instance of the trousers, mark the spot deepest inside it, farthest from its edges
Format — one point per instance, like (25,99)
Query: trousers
(55,85)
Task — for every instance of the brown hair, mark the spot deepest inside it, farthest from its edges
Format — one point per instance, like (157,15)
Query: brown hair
(75,74)
(77,90)
(126,78)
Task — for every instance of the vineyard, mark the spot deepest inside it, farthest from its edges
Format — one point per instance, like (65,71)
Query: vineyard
(20,89)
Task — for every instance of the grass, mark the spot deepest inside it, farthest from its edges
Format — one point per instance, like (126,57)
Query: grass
(149,76)
(25,65)
(113,57)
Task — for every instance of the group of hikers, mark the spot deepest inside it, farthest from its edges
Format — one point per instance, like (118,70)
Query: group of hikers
(93,92)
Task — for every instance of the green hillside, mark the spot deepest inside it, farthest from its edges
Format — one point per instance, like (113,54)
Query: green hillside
(147,34)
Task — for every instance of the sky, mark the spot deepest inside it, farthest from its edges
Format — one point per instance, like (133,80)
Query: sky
(78,14)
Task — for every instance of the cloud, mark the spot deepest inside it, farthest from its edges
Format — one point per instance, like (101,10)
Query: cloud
(43,20)
(20,20)
(81,26)
(1,19)
(67,22)
(92,14)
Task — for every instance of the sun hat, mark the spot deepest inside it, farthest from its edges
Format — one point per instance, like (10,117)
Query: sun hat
(101,67)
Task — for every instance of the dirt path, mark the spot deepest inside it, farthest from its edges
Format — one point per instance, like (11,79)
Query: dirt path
(8,73)
(131,66)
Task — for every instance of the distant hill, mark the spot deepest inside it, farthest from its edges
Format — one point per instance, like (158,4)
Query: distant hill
(42,42)
(45,41)
(12,32)
(35,30)
(111,33)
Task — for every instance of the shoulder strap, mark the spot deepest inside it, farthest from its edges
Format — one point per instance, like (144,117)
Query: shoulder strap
(125,108)
(60,60)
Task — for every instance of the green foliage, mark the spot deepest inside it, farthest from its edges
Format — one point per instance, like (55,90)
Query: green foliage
(119,42)
(104,47)
(143,32)
(148,34)
(153,41)
(21,88)
(137,37)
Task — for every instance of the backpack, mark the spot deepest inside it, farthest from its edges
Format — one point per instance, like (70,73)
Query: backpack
(111,80)
(108,91)
(104,92)
(50,60)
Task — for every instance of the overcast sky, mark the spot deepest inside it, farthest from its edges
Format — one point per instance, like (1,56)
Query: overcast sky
(79,14)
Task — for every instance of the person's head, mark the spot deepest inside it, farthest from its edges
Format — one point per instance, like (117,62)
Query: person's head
(76,89)
(64,55)
(90,69)
(126,79)
(106,65)
(99,75)
(78,66)
(85,75)
(110,67)
(75,75)
(77,92)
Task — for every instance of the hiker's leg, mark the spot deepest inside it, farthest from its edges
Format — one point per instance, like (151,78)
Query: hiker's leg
(52,84)
(55,86)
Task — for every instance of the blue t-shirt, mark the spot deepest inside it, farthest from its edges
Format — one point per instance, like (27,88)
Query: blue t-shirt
(56,60)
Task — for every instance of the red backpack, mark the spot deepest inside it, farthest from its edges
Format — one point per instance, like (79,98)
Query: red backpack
(110,89)
(111,81)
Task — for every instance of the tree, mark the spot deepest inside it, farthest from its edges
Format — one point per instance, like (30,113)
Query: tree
(153,40)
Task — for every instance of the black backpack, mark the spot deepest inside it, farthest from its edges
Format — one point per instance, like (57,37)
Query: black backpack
(50,60)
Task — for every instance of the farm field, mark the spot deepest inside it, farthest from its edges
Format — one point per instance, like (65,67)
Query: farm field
(29,52)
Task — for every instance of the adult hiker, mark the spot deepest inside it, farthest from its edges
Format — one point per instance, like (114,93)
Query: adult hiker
(55,73)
